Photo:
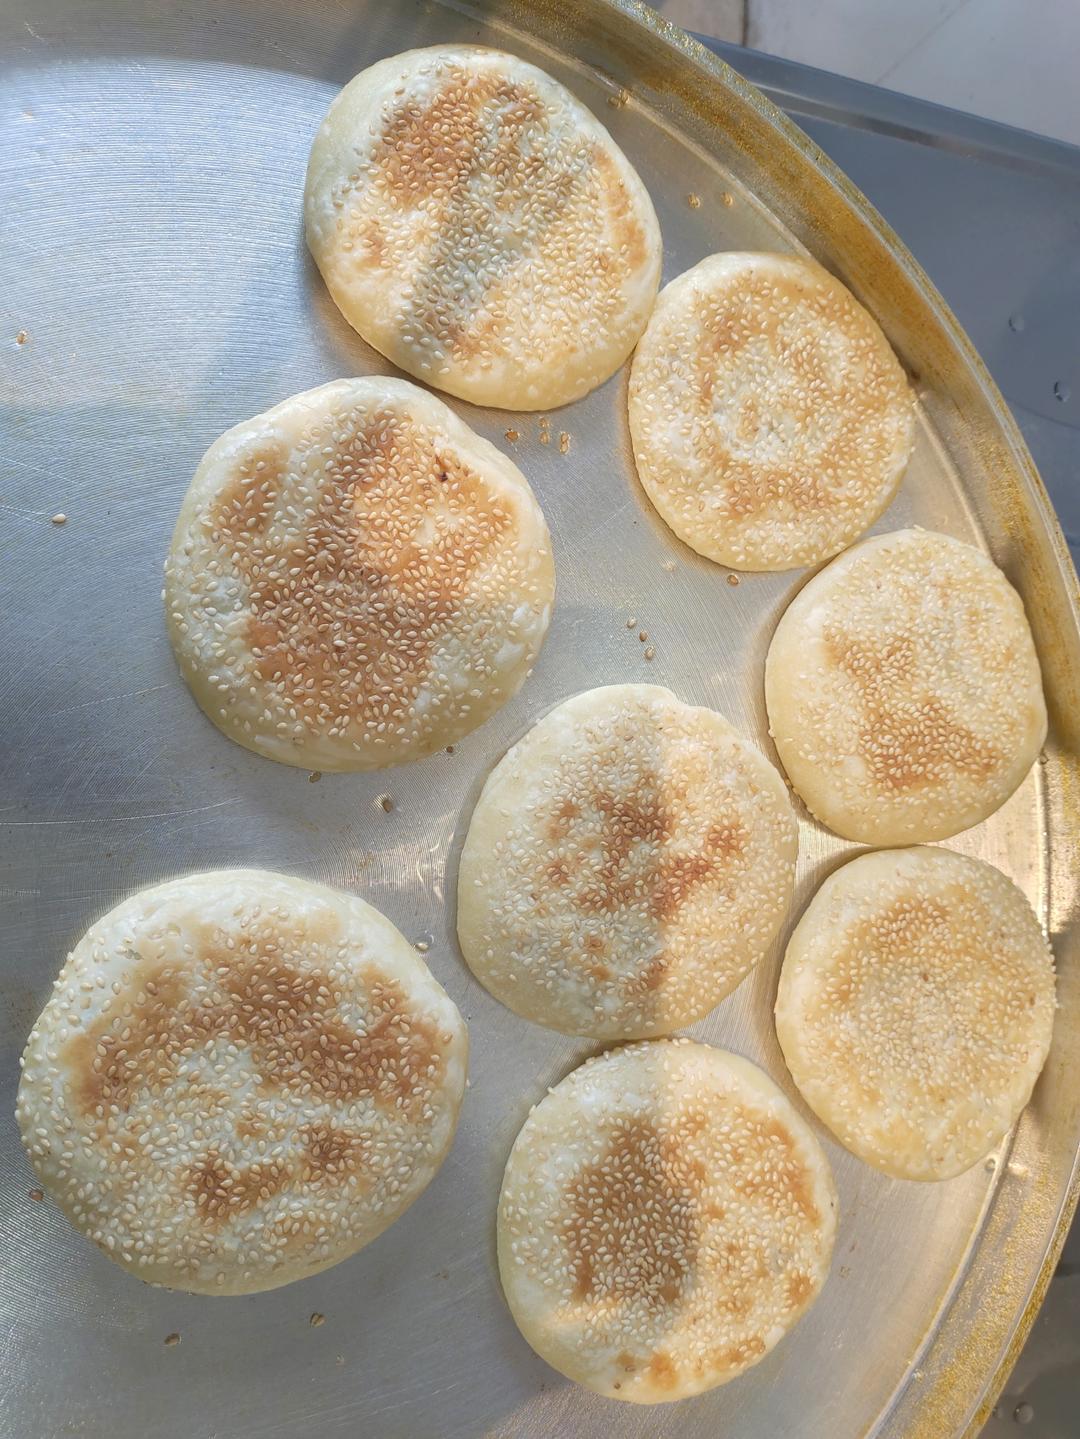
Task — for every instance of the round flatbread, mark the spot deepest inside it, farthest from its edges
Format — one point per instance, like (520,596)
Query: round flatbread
(627,864)
(356,579)
(480,228)
(240,1079)
(666,1217)
(915,1008)
(771,422)
(903,690)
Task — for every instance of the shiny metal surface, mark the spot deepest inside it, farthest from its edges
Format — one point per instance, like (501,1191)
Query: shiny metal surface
(156,289)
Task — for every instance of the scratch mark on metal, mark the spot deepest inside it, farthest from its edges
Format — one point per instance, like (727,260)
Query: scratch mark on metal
(148,765)
(106,699)
(43,517)
(127,818)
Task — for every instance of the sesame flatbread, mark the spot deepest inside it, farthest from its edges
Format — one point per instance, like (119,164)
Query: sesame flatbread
(771,421)
(903,690)
(356,579)
(239,1079)
(628,863)
(915,1008)
(665,1219)
(479,227)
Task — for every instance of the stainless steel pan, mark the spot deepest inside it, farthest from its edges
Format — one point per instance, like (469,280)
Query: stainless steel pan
(155,290)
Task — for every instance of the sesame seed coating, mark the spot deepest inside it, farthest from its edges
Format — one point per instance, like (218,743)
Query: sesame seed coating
(240,1078)
(770,420)
(480,228)
(665,1218)
(915,1008)
(628,862)
(356,579)
(903,690)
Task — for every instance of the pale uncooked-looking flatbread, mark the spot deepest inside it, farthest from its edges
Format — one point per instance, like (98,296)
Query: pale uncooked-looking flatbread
(915,1008)
(771,421)
(666,1217)
(903,690)
(629,861)
(356,578)
(239,1079)
(480,228)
